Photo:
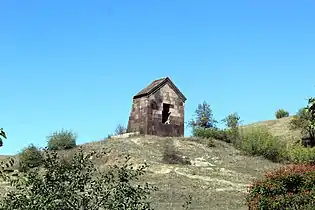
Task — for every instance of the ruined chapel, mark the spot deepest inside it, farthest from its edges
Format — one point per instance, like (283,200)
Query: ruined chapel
(158,110)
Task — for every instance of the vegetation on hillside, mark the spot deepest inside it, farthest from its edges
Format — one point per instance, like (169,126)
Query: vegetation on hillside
(30,157)
(286,188)
(280,113)
(305,121)
(120,129)
(78,184)
(290,187)
(2,135)
(48,181)
(62,140)
(203,117)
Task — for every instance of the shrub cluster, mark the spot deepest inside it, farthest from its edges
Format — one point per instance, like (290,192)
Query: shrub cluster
(300,154)
(29,158)
(211,133)
(259,141)
(63,139)
(290,187)
(78,185)
(280,113)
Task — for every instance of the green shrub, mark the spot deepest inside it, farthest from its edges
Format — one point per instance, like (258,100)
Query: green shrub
(61,140)
(210,133)
(172,156)
(79,185)
(29,158)
(232,121)
(280,113)
(259,141)
(227,135)
(301,154)
(290,187)
(2,135)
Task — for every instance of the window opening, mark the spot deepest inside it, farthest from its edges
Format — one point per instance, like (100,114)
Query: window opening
(166,114)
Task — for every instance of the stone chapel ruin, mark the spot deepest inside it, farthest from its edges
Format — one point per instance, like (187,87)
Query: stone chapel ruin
(158,110)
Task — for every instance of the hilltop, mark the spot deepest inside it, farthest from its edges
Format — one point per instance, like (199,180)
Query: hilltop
(217,178)
(278,127)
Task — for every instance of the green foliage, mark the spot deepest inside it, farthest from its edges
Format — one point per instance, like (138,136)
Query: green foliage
(259,141)
(290,187)
(232,121)
(29,158)
(120,129)
(280,113)
(301,154)
(209,133)
(60,140)
(78,184)
(204,117)
(305,121)
(213,133)
(300,121)
(173,156)
(2,135)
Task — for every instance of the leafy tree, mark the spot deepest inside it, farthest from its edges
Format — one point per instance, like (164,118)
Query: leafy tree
(204,117)
(8,163)
(232,134)
(232,120)
(305,121)
(300,121)
(2,135)
(63,139)
(78,184)
(30,157)
(280,113)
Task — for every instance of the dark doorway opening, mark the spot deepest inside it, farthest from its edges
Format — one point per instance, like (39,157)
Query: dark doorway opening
(166,113)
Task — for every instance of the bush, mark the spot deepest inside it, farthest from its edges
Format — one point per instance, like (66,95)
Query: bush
(29,158)
(61,140)
(172,156)
(232,121)
(213,133)
(78,185)
(301,154)
(290,187)
(2,135)
(120,129)
(280,113)
(259,141)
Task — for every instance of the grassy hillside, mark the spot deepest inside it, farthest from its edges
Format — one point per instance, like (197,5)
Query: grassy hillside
(217,179)
(278,127)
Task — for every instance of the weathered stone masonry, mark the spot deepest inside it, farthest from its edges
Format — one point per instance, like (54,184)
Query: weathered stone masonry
(155,106)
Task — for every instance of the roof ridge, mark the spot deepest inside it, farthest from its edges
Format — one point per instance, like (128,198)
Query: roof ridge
(156,84)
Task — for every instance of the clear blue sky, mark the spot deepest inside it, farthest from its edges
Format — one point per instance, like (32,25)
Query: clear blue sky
(77,64)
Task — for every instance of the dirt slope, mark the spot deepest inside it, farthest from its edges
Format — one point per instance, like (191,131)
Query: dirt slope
(217,178)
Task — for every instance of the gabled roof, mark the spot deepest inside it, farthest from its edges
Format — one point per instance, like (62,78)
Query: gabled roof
(156,85)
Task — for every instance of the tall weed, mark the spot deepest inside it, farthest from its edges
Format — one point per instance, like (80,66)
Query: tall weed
(259,141)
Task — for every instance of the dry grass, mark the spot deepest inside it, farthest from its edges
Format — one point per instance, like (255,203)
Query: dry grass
(279,127)
(217,177)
